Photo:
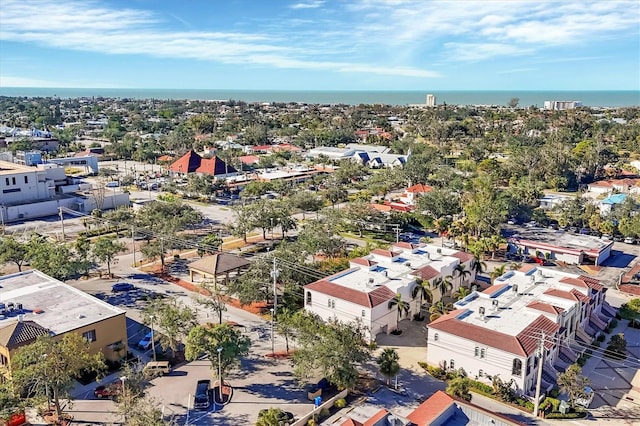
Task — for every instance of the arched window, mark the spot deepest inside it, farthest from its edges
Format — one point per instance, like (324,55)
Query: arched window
(435,336)
(516,370)
(477,352)
(483,352)
(308,298)
(452,364)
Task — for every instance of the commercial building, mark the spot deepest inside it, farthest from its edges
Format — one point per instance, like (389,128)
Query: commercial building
(192,162)
(28,192)
(364,291)
(499,331)
(34,304)
(561,105)
(431,100)
(575,249)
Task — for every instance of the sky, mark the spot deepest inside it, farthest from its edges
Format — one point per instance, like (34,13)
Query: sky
(321,44)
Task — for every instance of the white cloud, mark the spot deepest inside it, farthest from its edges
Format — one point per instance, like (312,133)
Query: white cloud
(307,5)
(473,52)
(88,26)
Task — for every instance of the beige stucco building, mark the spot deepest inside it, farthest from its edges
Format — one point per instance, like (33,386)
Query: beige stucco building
(34,304)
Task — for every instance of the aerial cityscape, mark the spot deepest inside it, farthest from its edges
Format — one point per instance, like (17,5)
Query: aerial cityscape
(319,212)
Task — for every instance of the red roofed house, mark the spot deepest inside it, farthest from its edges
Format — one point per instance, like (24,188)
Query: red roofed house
(411,194)
(191,162)
(498,331)
(363,291)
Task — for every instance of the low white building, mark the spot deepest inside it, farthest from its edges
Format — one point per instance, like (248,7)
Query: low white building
(498,331)
(28,192)
(363,291)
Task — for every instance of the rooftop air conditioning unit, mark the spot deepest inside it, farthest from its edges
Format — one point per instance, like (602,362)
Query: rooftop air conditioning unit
(439,250)
(514,288)
(495,304)
(481,311)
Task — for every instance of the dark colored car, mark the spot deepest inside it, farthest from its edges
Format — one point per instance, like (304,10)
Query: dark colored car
(122,287)
(201,399)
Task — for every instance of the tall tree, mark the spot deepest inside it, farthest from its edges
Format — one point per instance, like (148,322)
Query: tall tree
(172,319)
(388,363)
(461,271)
(54,365)
(332,349)
(573,383)
(105,250)
(12,250)
(439,309)
(498,271)
(422,288)
(207,339)
(402,307)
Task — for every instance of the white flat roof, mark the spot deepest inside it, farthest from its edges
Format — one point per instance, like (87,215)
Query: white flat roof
(513,315)
(395,273)
(561,239)
(63,307)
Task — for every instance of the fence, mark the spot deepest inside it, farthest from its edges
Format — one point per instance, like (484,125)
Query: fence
(328,404)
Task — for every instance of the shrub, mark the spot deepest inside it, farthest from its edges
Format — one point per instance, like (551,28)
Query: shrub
(601,338)
(613,324)
(634,323)
(324,412)
(525,403)
(341,403)
(438,372)
(574,415)
(481,388)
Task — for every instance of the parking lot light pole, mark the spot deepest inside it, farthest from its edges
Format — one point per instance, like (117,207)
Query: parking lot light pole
(272,336)
(153,339)
(219,373)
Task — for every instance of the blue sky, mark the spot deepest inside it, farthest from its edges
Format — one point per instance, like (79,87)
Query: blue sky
(322,45)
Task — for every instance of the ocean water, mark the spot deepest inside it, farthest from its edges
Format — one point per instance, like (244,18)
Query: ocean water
(620,98)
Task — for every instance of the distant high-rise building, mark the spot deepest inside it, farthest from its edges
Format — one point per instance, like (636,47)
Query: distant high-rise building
(561,105)
(431,100)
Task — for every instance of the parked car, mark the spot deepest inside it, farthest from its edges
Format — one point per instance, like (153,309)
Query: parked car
(201,400)
(618,238)
(112,390)
(157,368)
(122,287)
(629,240)
(145,342)
(606,237)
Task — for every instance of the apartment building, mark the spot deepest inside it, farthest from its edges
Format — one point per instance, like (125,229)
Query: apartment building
(499,331)
(364,291)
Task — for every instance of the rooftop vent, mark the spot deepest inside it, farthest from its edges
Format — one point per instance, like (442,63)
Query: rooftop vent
(495,304)
(439,251)
(481,311)
(515,288)
(38,311)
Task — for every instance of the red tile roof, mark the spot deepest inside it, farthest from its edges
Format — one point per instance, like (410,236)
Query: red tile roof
(376,417)
(419,188)
(364,262)
(386,253)
(574,282)
(463,256)
(431,409)
(581,297)
(592,283)
(426,273)
(545,307)
(529,338)
(403,244)
(494,288)
(191,162)
(475,333)
(249,159)
(376,297)
(526,268)
(562,294)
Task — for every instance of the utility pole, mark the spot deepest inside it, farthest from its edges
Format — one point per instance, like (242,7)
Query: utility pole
(162,254)
(133,244)
(536,405)
(397,234)
(62,222)
(275,274)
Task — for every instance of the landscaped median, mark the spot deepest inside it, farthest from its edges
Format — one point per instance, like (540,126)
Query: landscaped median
(461,386)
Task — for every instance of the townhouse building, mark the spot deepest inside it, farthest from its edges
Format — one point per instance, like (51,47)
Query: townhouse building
(364,291)
(499,331)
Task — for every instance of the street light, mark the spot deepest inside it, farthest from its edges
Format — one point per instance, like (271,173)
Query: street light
(219,373)
(124,397)
(153,339)
(272,336)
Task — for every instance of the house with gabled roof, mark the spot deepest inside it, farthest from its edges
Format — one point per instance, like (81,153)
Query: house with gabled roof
(364,291)
(498,331)
(192,162)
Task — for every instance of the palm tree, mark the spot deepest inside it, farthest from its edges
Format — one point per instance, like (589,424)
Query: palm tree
(462,271)
(439,309)
(459,387)
(388,363)
(461,293)
(443,284)
(498,272)
(478,266)
(402,307)
(422,288)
